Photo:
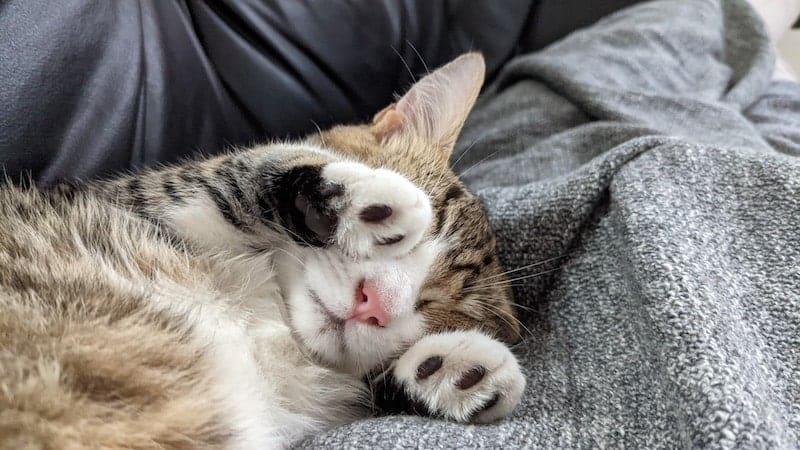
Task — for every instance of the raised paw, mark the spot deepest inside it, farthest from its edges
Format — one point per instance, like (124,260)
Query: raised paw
(379,211)
(465,376)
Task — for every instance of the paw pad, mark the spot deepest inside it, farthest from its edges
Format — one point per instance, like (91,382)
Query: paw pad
(471,377)
(375,213)
(429,367)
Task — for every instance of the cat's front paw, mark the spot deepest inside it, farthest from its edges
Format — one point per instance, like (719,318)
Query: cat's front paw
(380,213)
(465,376)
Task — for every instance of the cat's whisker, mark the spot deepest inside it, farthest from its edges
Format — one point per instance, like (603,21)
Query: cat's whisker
(528,266)
(280,227)
(461,174)
(384,369)
(500,314)
(443,173)
(427,71)
(532,275)
(522,325)
(442,188)
(403,60)
(302,263)
(522,307)
(289,232)
(370,383)
(467,150)
(319,132)
(509,281)
(513,285)
(503,284)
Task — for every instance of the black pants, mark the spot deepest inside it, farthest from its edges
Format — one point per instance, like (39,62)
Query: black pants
(92,87)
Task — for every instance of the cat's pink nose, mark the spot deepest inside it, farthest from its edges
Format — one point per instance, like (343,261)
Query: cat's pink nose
(370,308)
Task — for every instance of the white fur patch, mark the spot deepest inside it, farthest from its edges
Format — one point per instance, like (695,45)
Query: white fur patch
(199,221)
(221,330)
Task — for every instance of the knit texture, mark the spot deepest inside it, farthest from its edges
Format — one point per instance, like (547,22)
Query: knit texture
(652,156)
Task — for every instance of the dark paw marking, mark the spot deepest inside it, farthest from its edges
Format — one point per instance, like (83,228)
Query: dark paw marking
(330,190)
(302,199)
(429,367)
(390,397)
(391,240)
(376,213)
(471,377)
(323,224)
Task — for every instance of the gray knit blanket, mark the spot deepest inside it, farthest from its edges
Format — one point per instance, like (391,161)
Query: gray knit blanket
(652,168)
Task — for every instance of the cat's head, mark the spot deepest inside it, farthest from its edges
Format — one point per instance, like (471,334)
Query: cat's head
(453,278)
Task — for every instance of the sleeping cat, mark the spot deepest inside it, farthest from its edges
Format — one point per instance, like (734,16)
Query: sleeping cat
(247,300)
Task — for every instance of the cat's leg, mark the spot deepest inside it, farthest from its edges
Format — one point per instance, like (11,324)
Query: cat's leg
(283,192)
(466,376)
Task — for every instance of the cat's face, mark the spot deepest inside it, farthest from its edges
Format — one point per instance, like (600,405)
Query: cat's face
(452,279)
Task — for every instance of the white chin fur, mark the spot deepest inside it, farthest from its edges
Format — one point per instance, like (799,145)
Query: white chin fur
(348,345)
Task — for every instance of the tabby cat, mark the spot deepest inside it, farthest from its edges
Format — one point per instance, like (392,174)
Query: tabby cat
(250,299)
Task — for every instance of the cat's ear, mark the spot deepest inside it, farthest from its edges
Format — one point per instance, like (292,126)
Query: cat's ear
(435,107)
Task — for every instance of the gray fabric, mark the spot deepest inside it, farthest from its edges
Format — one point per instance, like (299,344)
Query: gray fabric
(653,152)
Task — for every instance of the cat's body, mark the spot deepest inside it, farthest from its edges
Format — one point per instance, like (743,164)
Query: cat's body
(240,301)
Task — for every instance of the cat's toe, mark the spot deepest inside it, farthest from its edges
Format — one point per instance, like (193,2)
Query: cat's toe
(381,214)
(465,376)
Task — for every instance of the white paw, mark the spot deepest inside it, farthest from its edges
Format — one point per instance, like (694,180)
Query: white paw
(380,214)
(465,376)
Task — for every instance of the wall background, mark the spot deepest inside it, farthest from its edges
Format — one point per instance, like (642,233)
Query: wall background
(790,48)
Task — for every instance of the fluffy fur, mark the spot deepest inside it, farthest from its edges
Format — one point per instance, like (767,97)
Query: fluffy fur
(208,304)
